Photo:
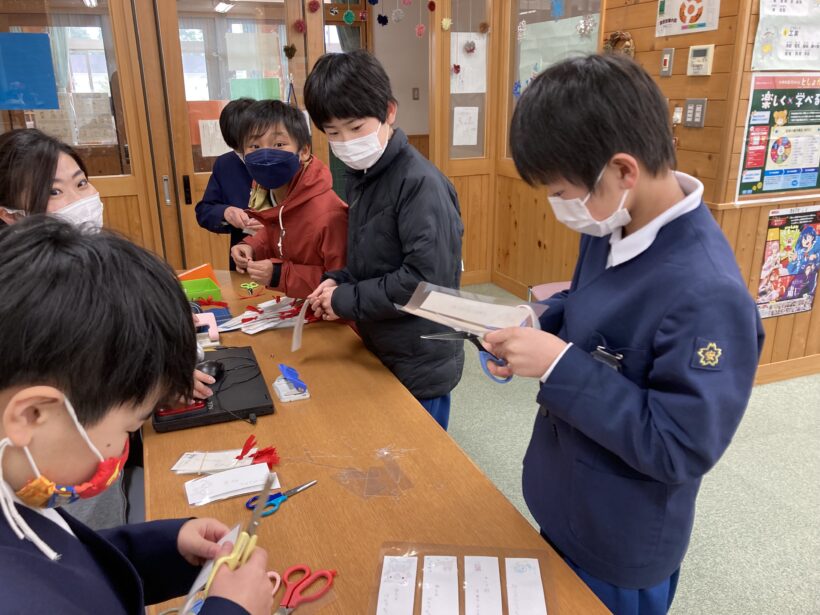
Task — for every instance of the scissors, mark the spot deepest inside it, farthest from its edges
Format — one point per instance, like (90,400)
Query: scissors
(275,499)
(246,542)
(249,286)
(293,589)
(484,355)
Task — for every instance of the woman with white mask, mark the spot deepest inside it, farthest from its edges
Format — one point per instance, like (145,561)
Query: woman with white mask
(40,174)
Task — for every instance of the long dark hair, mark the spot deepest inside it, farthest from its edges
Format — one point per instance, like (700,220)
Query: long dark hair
(28,162)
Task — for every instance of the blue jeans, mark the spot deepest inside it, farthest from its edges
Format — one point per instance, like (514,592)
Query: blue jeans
(439,409)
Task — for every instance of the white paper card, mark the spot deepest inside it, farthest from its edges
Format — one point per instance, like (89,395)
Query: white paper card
(439,593)
(487,315)
(482,586)
(525,592)
(196,462)
(465,126)
(228,484)
(397,589)
(210,137)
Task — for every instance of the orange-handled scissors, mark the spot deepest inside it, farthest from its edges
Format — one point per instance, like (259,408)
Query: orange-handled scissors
(293,589)
(246,542)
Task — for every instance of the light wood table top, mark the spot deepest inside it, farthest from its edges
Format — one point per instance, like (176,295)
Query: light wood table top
(358,415)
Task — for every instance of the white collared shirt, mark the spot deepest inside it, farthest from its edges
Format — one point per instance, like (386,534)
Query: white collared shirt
(623,249)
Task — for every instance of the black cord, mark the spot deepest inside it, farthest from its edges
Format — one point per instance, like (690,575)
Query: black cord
(250,363)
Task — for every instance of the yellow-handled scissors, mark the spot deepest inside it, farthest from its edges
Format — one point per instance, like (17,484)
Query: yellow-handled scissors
(246,542)
(249,286)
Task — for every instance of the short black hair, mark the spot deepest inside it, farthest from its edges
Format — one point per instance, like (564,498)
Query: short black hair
(347,85)
(230,120)
(93,315)
(28,163)
(263,115)
(577,114)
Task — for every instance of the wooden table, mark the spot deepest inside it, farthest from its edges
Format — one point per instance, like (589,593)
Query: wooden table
(358,416)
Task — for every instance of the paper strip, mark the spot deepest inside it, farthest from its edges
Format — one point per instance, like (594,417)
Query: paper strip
(525,591)
(227,484)
(482,586)
(296,341)
(439,594)
(397,590)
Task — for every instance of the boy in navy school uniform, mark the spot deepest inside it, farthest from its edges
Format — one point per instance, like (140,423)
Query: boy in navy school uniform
(96,332)
(222,208)
(647,362)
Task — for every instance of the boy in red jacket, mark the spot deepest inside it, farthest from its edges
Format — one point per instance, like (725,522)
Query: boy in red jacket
(304,222)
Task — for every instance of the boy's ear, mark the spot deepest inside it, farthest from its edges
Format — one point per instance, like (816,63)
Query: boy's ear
(7,217)
(628,169)
(28,409)
(304,154)
(392,110)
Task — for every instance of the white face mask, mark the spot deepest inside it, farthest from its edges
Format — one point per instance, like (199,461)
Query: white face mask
(575,214)
(361,153)
(87,212)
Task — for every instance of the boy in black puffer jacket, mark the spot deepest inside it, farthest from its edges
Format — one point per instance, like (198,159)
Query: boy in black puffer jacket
(404,228)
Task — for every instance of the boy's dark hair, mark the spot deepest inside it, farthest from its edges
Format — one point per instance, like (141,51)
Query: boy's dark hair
(28,162)
(347,85)
(262,115)
(577,114)
(230,120)
(93,315)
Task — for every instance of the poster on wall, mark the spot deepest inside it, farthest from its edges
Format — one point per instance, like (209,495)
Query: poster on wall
(788,277)
(788,35)
(781,147)
(686,17)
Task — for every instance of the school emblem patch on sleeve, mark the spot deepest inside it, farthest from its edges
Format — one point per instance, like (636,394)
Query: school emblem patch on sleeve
(708,354)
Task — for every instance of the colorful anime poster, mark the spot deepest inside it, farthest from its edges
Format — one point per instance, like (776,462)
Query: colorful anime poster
(788,278)
(686,17)
(781,150)
(788,35)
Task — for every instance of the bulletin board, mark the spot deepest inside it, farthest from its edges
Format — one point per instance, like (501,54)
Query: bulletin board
(781,146)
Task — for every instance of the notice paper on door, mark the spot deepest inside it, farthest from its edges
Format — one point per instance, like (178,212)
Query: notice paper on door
(525,591)
(439,590)
(397,589)
(482,586)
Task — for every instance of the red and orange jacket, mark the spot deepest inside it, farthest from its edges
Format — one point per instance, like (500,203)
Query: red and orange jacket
(305,234)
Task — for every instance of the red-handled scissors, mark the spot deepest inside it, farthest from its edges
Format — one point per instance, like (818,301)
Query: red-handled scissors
(293,589)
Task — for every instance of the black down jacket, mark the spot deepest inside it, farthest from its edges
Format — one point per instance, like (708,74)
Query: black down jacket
(404,227)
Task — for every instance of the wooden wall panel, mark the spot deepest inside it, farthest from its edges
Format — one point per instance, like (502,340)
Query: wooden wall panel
(476,212)
(531,246)
(791,337)
(421,143)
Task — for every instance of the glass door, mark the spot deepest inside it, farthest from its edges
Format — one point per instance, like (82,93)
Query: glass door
(64,64)
(212,53)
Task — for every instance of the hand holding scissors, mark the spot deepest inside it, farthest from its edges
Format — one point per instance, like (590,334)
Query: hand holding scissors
(275,499)
(294,590)
(246,542)
(484,355)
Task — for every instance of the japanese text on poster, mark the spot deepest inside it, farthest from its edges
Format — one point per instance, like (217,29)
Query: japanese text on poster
(781,150)
(788,277)
(686,17)
(788,35)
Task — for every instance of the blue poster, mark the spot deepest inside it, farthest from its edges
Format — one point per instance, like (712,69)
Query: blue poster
(26,72)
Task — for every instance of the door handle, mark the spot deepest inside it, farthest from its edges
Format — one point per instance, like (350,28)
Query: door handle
(166,189)
(186,189)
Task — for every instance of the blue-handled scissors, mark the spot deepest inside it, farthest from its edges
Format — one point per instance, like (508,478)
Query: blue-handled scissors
(275,499)
(484,355)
